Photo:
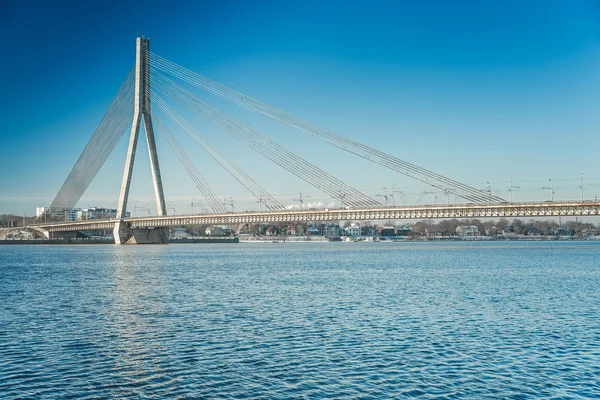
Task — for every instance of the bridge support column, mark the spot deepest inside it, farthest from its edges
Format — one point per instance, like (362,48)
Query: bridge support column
(142,113)
(64,235)
(46,233)
(124,234)
(56,235)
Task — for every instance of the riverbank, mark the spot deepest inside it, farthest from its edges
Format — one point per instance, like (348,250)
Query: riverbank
(16,242)
(86,241)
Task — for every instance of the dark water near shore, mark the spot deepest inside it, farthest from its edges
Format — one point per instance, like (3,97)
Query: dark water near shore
(311,320)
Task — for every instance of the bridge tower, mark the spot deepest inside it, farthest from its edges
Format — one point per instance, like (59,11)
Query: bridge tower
(142,110)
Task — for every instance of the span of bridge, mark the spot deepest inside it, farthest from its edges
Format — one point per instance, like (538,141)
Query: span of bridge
(505,210)
(133,107)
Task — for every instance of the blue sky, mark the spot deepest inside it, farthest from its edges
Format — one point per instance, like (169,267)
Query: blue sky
(478,91)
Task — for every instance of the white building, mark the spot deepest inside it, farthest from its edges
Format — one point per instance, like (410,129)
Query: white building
(217,231)
(97,213)
(179,233)
(57,212)
(353,230)
(77,214)
(332,230)
(467,230)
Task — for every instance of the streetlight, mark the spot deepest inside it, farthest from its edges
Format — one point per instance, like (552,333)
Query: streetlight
(260,202)
(391,192)
(225,204)
(434,197)
(551,188)
(510,189)
(342,197)
(394,197)
(385,197)
(171,206)
(301,198)
(595,197)
(197,204)
(448,190)
(136,207)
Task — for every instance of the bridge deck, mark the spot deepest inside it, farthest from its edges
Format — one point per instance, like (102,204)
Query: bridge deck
(545,209)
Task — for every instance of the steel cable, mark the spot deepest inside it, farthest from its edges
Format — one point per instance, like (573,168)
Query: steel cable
(103,141)
(356,148)
(265,146)
(236,172)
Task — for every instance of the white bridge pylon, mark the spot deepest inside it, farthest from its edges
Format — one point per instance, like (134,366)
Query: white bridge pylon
(141,109)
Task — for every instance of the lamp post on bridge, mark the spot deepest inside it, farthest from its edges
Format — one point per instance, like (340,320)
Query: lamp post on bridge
(300,199)
(595,197)
(197,204)
(171,206)
(142,208)
(448,190)
(260,202)
(434,197)
(551,188)
(384,195)
(342,197)
(391,194)
(225,203)
(510,189)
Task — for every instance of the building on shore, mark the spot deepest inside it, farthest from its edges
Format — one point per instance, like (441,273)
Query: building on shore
(178,233)
(77,214)
(332,230)
(467,230)
(387,230)
(403,231)
(353,230)
(218,231)
(98,213)
(313,230)
(69,214)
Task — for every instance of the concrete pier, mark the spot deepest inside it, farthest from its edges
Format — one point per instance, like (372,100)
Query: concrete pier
(123,234)
(141,113)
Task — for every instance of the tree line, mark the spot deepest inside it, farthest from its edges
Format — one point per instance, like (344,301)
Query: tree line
(504,226)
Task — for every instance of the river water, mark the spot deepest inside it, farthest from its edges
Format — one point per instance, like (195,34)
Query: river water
(310,320)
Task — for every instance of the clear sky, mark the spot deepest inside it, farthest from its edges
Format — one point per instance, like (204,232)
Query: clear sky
(478,91)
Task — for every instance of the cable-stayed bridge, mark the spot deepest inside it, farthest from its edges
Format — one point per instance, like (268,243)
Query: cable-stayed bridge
(156,84)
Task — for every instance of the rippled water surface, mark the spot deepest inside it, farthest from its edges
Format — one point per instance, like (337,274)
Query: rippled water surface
(335,320)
